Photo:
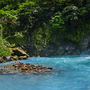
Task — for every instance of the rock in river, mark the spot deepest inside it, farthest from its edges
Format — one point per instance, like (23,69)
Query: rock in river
(26,68)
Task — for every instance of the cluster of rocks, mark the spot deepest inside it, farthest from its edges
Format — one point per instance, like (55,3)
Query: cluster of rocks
(18,54)
(26,68)
(31,68)
(12,58)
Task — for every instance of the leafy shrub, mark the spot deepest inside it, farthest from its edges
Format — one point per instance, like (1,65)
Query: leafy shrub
(57,27)
(4,50)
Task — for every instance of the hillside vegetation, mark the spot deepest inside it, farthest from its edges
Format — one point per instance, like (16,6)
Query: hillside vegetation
(42,21)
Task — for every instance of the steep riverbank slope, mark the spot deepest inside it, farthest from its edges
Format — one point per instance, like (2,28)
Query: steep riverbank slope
(45,27)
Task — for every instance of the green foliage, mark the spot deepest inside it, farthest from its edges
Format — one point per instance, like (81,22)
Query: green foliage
(83,11)
(41,21)
(47,34)
(70,13)
(1,35)
(57,27)
(11,13)
(75,38)
(41,36)
(26,4)
(57,21)
(4,50)
(16,40)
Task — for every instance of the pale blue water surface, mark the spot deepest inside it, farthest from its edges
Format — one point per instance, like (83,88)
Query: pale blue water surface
(69,73)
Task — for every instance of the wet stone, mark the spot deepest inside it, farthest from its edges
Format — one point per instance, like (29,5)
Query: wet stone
(26,68)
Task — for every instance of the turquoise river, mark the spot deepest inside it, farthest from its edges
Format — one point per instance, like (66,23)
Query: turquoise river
(69,73)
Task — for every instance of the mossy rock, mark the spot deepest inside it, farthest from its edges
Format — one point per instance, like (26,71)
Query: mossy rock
(15,57)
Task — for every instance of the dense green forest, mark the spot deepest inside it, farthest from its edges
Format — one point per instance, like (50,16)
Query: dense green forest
(41,22)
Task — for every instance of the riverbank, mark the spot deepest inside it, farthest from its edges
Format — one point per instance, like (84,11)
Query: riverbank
(18,54)
(16,67)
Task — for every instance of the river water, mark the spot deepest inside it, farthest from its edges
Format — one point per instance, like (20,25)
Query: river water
(69,73)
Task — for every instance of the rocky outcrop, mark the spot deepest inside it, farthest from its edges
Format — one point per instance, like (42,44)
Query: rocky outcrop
(51,49)
(2,60)
(63,48)
(85,45)
(84,42)
(18,54)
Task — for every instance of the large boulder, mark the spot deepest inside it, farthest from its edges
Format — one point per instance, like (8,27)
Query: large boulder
(85,42)
(23,57)
(15,57)
(19,52)
(8,58)
(2,59)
